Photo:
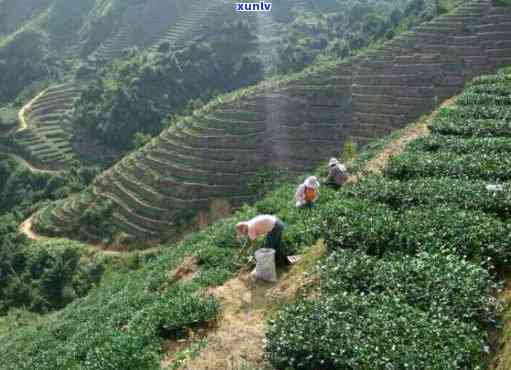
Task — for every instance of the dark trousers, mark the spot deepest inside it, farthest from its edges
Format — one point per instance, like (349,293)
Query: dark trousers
(274,240)
(333,185)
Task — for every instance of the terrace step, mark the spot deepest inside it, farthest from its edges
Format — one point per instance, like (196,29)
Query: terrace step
(132,229)
(130,214)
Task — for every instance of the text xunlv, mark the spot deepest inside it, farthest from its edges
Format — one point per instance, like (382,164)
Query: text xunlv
(253,7)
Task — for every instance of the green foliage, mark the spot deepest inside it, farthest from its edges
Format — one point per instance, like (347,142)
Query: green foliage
(440,285)
(410,275)
(43,276)
(97,218)
(455,144)
(489,122)
(20,188)
(140,139)
(369,332)
(502,2)
(475,165)
(23,60)
(8,117)
(340,28)
(135,311)
(377,230)
(349,150)
(432,192)
(135,95)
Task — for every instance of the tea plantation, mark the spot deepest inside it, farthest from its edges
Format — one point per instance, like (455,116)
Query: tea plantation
(411,274)
(409,280)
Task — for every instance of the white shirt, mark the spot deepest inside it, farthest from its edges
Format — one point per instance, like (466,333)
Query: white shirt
(260,225)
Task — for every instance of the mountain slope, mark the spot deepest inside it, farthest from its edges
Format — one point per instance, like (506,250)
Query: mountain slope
(295,123)
(433,278)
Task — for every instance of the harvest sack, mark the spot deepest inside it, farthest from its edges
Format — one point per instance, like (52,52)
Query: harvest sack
(265,265)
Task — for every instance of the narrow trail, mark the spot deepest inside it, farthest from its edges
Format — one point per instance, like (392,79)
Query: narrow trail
(238,339)
(23,162)
(23,125)
(501,360)
(378,163)
(21,114)
(27,229)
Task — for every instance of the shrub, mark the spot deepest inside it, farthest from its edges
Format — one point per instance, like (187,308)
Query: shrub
(376,230)
(473,127)
(45,276)
(475,165)
(349,150)
(134,311)
(458,145)
(359,224)
(431,191)
(370,332)
(442,285)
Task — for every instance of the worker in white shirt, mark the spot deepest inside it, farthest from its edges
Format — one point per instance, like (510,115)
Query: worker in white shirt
(264,225)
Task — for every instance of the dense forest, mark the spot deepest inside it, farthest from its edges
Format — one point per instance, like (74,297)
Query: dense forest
(39,276)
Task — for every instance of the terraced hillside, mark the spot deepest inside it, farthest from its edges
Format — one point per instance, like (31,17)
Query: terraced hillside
(44,132)
(298,122)
(153,22)
(191,20)
(412,253)
(121,39)
(46,141)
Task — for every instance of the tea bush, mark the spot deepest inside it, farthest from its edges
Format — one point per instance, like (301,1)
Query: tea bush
(376,230)
(135,311)
(410,275)
(432,191)
(475,165)
(455,144)
(472,127)
(350,331)
(442,285)
(409,282)
(485,111)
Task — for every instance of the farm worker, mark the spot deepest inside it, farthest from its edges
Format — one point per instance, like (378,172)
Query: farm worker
(267,225)
(337,174)
(307,192)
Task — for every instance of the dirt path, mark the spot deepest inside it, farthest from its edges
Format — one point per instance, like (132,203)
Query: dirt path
(378,163)
(24,162)
(21,114)
(23,125)
(27,229)
(238,339)
(501,359)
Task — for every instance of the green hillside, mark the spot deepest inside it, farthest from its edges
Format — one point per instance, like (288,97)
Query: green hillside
(288,124)
(74,43)
(135,135)
(402,265)
(414,255)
